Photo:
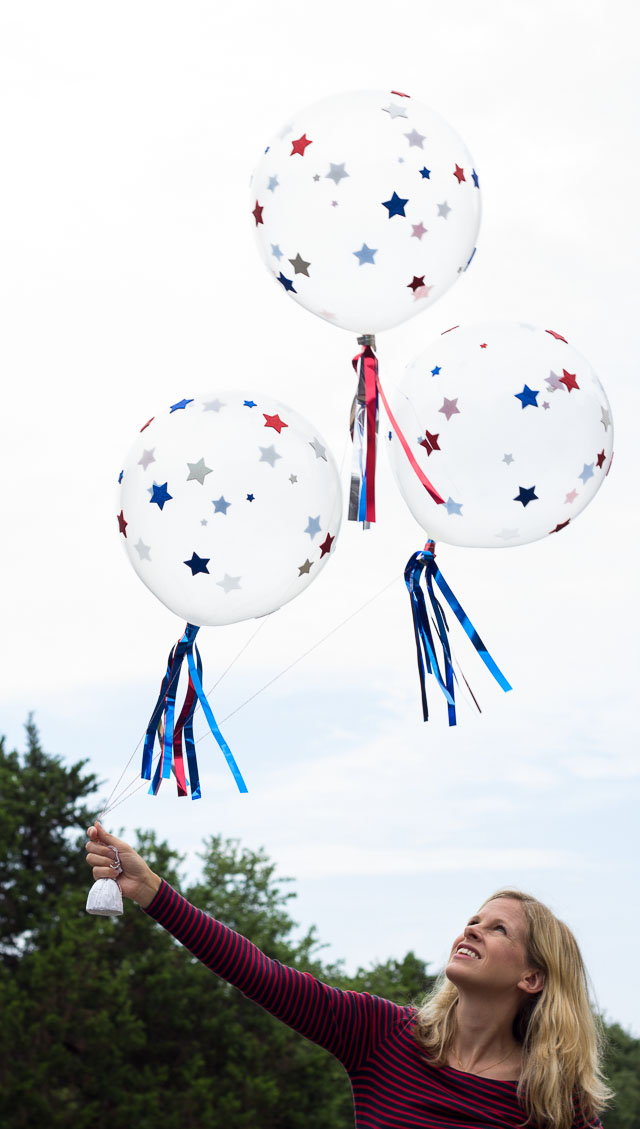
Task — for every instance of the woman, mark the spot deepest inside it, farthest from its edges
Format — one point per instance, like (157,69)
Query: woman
(507,1037)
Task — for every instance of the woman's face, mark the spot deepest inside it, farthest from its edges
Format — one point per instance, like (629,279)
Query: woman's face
(491,952)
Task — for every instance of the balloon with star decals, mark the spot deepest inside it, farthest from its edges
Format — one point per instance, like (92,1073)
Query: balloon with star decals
(512,426)
(366,207)
(230,506)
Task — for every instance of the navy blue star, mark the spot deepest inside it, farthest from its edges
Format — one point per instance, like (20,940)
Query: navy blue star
(395,205)
(160,495)
(474,177)
(526,494)
(527,397)
(435,371)
(198,564)
(286,282)
(250,404)
(180,404)
(425,173)
(120,477)
(250,497)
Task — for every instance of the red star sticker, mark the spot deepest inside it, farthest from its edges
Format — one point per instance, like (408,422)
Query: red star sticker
(459,174)
(257,213)
(416,283)
(400,95)
(569,379)
(430,443)
(147,424)
(326,545)
(558,336)
(122,524)
(300,145)
(560,525)
(483,346)
(600,459)
(275,422)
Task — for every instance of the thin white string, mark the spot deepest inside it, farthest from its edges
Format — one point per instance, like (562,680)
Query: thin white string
(136,785)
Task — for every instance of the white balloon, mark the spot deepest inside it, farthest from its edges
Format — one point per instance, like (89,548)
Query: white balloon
(512,427)
(229,507)
(366,208)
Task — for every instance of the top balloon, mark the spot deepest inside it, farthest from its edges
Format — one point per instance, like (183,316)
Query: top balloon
(366,207)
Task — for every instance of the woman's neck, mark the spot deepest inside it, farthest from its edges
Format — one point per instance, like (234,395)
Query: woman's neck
(484,1043)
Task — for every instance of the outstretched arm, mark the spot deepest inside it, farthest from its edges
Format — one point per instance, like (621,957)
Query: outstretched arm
(348,1024)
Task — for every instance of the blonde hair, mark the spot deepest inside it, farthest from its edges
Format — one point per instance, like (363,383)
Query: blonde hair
(562,1041)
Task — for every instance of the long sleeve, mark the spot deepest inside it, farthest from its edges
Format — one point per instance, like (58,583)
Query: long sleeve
(348,1024)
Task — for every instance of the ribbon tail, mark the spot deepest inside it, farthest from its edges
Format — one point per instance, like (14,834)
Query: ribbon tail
(470,630)
(362,498)
(213,725)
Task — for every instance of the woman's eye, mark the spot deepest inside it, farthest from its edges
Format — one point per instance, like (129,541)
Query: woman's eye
(503,929)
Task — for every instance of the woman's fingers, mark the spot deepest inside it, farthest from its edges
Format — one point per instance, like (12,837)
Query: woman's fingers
(103,872)
(95,859)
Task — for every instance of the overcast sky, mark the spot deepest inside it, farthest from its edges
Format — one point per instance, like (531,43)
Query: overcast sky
(129,278)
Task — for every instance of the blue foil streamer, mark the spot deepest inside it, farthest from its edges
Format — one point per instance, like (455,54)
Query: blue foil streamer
(423,564)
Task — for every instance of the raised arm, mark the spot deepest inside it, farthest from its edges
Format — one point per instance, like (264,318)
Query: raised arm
(348,1024)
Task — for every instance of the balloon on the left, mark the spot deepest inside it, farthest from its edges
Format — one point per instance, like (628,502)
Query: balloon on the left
(230,506)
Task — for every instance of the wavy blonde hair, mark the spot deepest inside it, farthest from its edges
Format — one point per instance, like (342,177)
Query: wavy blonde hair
(561,1039)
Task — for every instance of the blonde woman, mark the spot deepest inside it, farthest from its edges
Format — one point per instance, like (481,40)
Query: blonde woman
(507,1038)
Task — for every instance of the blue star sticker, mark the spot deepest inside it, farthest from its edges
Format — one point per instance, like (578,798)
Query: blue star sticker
(474,177)
(453,507)
(249,404)
(160,494)
(395,205)
(365,254)
(275,251)
(435,370)
(250,497)
(526,494)
(587,472)
(220,505)
(273,183)
(198,564)
(120,477)
(180,404)
(527,397)
(287,283)
(425,173)
(313,527)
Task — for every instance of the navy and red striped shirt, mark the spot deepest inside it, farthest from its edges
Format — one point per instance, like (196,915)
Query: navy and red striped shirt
(394,1086)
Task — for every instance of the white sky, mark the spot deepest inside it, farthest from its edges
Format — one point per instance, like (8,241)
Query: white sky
(129,278)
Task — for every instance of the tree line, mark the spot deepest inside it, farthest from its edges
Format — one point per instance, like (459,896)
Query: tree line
(108,1023)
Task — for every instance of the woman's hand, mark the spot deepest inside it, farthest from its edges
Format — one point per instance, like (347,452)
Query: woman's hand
(137,881)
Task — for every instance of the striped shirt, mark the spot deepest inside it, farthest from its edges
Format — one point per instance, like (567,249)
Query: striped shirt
(394,1085)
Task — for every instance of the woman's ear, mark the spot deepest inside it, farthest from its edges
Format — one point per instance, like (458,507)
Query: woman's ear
(532,981)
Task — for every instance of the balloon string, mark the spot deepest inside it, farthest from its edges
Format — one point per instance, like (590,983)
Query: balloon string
(135,785)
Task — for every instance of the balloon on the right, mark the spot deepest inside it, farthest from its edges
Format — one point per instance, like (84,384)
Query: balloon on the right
(512,427)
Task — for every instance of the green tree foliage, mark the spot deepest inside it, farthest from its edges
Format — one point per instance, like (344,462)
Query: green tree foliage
(109,1023)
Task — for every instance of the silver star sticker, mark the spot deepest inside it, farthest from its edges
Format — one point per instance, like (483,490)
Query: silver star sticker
(299,265)
(415,139)
(220,505)
(336,172)
(606,419)
(147,458)
(229,583)
(143,550)
(269,455)
(293,478)
(553,381)
(508,459)
(213,405)
(395,111)
(306,567)
(320,451)
(443,209)
(198,472)
(204,521)
(313,527)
